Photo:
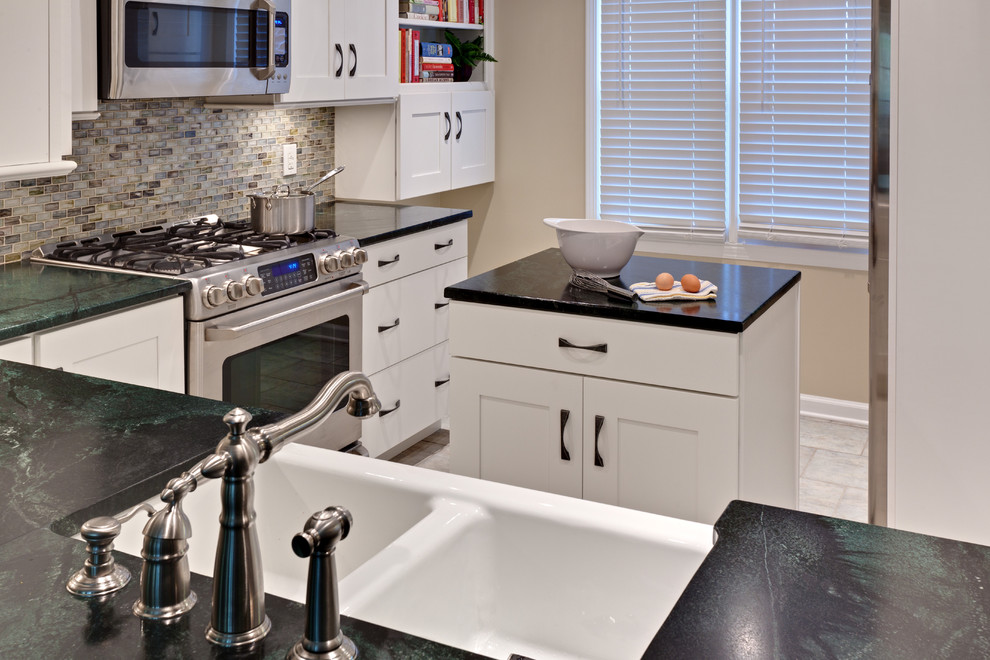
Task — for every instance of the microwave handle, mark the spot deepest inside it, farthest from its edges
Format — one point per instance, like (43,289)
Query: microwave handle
(226,332)
(268,71)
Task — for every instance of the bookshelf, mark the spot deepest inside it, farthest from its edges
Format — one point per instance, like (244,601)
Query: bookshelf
(433,31)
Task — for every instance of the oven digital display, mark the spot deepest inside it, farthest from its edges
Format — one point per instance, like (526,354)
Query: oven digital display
(288,274)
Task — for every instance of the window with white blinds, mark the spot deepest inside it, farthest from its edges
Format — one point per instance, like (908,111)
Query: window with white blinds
(662,114)
(743,120)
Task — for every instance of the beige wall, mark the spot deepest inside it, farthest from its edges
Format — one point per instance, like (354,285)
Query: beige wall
(540,172)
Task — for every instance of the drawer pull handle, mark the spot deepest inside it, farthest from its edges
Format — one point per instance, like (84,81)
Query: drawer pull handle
(600,348)
(386,263)
(383,328)
(382,413)
(599,423)
(353,50)
(438,383)
(340,54)
(564,454)
(446,135)
(440,305)
(440,246)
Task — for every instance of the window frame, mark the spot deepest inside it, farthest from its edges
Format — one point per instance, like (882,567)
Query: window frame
(729,248)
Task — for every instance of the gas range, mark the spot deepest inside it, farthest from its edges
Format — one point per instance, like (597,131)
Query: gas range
(229,265)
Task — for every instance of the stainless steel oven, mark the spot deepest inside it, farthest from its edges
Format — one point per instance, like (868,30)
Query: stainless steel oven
(181,48)
(270,318)
(278,355)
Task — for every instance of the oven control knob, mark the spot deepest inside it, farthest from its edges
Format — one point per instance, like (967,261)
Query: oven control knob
(235,290)
(329,263)
(360,255)
(253,285)
(346,259)
(214,296)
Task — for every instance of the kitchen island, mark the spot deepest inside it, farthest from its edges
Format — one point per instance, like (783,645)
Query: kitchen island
(674,408)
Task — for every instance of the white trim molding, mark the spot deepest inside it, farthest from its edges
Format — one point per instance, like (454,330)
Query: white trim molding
(853,413)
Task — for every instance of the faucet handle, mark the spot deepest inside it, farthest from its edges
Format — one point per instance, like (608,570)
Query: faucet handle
(323,637)
(101,574)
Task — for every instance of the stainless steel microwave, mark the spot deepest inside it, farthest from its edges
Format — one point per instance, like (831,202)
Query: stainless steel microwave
(181,48)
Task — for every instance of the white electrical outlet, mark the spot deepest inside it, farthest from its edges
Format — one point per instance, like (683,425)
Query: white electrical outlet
(288,159)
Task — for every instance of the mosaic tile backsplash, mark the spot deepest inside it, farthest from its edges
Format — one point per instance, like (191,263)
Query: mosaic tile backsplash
(150,161)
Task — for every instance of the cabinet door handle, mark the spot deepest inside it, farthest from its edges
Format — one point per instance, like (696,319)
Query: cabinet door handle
(354,66)
(564,454)
(599,423)
(438,383)
(440,246)
(460,125)
(383,328)
(340,54)
(391,261)
(599,348)
(382,413)
(446,136)
(440,305)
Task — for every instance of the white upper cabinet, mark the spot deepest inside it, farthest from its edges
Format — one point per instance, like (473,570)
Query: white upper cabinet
(85,98)
(36,129)
(341,52)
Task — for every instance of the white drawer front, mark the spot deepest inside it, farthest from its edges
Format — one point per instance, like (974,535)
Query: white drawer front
(443,276)
(398,320)
(408,397)
(682,358)
(410,254)
(441,380)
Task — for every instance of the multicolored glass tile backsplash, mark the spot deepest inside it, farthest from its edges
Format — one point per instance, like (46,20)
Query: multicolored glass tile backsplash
(149,161)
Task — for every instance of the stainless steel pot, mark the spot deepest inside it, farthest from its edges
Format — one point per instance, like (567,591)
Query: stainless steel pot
(282,211)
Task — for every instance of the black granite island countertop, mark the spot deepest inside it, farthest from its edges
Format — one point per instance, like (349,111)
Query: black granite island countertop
(785,584)
(39,297)
(74,447)
(540,282)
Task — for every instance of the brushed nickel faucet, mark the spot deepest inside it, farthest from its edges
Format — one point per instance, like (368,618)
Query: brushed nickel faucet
(238,613)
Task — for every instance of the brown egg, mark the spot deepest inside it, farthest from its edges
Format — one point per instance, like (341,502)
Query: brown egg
(690,283)
(665,281)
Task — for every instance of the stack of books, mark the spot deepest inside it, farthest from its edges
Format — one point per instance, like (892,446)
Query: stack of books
(435,63)
(423,61)
(425,10)
(450,11)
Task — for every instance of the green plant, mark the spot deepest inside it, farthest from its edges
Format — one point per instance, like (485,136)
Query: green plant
(467,53)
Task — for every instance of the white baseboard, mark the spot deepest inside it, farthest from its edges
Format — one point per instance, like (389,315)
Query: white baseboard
(853,413)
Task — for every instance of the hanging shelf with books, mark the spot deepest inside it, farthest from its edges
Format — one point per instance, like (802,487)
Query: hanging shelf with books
(426,61)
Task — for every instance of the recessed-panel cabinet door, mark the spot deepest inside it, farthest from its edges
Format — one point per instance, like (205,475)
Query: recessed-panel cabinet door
(516,426)
(660,450)
(371,49)
(425,131)
(317,51)
(473,147)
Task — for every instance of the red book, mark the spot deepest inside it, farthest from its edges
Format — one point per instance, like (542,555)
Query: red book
(481,12)
(402,55)
(470,16)
(436,66)
(415,55)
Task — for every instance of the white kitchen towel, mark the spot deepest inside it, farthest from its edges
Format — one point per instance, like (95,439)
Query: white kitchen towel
(649,292)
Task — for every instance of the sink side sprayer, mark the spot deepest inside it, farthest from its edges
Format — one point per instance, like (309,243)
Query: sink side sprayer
(238,614)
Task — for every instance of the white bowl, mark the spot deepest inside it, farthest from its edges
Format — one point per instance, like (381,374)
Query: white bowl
(601,247)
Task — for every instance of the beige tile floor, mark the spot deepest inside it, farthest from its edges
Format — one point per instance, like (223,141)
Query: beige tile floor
(833,466)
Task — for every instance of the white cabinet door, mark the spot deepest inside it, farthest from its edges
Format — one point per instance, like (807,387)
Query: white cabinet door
(140,346)
(408,397)
(84,72)
(398,320)
(316,51)
(36,129)
(660,450)
(371,48)
(516,425)
(18,350)
(425,131)
(472,159)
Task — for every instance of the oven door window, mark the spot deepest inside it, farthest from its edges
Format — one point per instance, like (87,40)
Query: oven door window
(286,374)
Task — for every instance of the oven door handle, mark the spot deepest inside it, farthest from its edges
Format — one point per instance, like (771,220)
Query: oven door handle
(225,332)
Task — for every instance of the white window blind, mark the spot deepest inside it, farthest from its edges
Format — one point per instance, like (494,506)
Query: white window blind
(662,114)
(779,155)
(804,121)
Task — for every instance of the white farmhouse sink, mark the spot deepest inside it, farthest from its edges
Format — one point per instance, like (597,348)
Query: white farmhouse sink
(481,566)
